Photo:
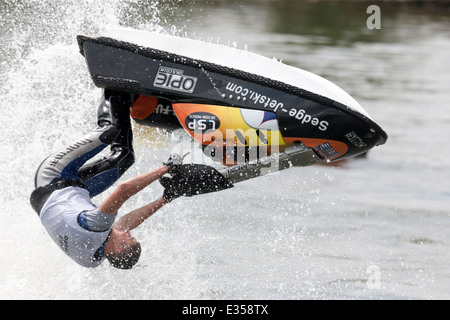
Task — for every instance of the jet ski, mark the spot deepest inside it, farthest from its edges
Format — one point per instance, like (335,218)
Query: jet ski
(252,114)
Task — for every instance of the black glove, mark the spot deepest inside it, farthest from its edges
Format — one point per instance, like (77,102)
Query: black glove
(193,179)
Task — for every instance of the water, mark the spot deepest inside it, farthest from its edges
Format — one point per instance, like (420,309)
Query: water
(373,228)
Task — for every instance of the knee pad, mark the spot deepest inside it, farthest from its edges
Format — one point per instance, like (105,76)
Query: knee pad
(108,133)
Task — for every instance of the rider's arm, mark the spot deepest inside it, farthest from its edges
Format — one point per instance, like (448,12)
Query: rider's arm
(134,218)
(129,188)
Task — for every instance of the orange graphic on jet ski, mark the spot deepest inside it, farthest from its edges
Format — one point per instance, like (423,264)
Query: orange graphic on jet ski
(227,126)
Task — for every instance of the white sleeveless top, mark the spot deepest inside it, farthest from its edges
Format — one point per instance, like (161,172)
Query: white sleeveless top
(60,217)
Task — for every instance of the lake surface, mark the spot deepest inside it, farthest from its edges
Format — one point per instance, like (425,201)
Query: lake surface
(372,228)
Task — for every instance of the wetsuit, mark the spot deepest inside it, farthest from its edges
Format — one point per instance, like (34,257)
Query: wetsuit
(65,182)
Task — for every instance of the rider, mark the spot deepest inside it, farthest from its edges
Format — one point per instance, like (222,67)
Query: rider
(65,182)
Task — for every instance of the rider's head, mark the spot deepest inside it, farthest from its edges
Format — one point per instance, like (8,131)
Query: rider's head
(122,250)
